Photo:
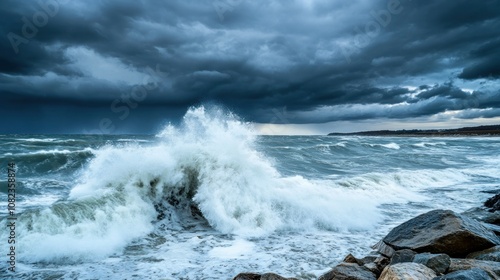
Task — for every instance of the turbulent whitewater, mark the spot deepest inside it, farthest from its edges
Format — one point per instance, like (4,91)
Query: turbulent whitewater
(209,198)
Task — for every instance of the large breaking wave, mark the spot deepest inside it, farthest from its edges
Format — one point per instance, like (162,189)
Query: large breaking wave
(208,168)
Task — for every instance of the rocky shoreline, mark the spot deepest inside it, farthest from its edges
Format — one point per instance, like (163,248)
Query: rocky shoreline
(437,245)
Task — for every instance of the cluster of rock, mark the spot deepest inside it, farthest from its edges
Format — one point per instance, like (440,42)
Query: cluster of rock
(265,276)
(437,245)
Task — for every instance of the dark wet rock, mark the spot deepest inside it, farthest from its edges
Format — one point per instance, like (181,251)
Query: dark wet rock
(352,259)
(160,210)
(402,256)
(482,214)
(407,271)
(348,271)
(493,268)
(382,248)
(494,228)
(247,276)
(442,231)
(494,192)
(369,263)
(471,274)
(491,254)
(368,259)
(382,262)
(265,276)
(437,262)
(493,203)
(273,276)
(373,268)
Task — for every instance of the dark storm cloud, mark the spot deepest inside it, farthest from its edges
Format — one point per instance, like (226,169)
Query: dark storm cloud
(322,60)
(488,61)
(444,91)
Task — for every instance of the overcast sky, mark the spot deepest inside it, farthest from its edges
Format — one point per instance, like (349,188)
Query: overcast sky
(291,67)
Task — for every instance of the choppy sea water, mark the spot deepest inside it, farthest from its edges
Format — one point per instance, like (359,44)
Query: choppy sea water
(210,199)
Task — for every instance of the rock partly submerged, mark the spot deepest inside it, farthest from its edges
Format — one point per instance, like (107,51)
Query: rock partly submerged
(484,215)
(493,203)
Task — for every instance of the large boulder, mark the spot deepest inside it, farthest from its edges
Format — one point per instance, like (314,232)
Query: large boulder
(437,262)
(493,268)
(348,271)
(407,271)
(442,231)
(491,254)
(471,274)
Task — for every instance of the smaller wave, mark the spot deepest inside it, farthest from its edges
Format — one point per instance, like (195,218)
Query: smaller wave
(133,140)
(449,162)
(427,144)
(405,181)
(39,200)
(37,139)
(53,152)
(485,171)
(45,140)
(339,144)
(40,162)
(328,147)
(392,145)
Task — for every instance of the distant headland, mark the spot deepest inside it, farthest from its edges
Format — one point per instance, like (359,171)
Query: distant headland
(485,130)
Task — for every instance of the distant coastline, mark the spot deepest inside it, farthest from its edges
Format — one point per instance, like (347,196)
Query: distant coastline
(485,130)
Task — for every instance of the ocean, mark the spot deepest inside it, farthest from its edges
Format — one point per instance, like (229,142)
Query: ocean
(209,198)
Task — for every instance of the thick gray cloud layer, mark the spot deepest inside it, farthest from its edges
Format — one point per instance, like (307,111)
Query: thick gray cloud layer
(128,66)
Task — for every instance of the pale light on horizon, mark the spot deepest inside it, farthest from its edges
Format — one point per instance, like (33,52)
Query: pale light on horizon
(368,125)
